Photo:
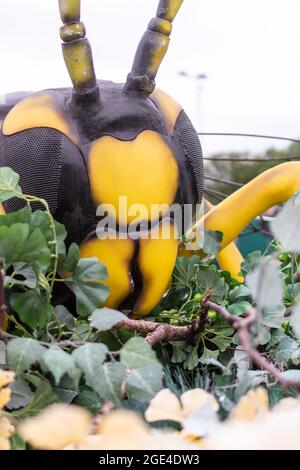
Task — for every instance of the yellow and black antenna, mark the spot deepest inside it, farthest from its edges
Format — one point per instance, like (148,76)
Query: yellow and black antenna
(77,53)
(152,48)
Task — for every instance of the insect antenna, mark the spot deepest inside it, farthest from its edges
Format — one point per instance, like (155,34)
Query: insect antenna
(77,53)
(152,48)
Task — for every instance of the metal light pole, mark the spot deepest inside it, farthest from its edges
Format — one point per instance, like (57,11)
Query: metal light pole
(198,79)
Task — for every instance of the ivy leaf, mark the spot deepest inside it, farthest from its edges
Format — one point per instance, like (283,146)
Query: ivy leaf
(26,272)
(64,317)
(44,395)
(137,353)
(208,279)
(89,399)
(185,271)
(89,357)
(292,374)
(180,351)
(239,308)
(108,380)
(72,259)
(263,335)
(286,226)
(265,285)
(17,443)
(295,320)
(17,244)
(287,349)
(239,292)
(222,342)
(21,394)
(23,352)
(104,319)
(12,241)
(192,359)
(59,363)
(86,284)
(66,391)
(273,318)
(207,355)
(9,184)
(212,242)
(250,262)
(145,382)
(22,216)
(41,220)
(32,307)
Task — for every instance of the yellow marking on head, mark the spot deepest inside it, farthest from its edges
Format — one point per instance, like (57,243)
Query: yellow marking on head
(144,170)
(156,261)
(38,110)
(116,255)
(168,106)
(2,211)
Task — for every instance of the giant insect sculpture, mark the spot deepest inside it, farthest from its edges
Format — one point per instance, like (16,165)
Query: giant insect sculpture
(88,146)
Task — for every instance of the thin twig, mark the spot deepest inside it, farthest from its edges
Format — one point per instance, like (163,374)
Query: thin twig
(243,327)
(160,332)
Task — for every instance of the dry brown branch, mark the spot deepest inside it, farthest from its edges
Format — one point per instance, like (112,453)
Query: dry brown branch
(243,327)
(160,332)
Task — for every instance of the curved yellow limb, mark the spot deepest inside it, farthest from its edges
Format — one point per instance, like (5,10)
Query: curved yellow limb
(156,261)
(117,256)
(230,258)
(232,215)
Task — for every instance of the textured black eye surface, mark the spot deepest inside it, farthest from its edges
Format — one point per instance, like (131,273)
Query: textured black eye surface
(189,140)
(36,155)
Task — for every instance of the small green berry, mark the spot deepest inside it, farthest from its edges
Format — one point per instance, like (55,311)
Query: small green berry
(197,297)
(212,315)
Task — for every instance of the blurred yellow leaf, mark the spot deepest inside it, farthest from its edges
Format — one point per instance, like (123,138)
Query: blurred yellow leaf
(165,406)
(5,395)
(88,443)
(56,427)
(254,404)
(123,430)
(126,430)
(4,444)
(6,378)
(279,430)
(193,400)
(285,404)
(6,431)
(6,428)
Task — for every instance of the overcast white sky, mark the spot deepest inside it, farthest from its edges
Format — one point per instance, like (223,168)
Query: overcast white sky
(249,50)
